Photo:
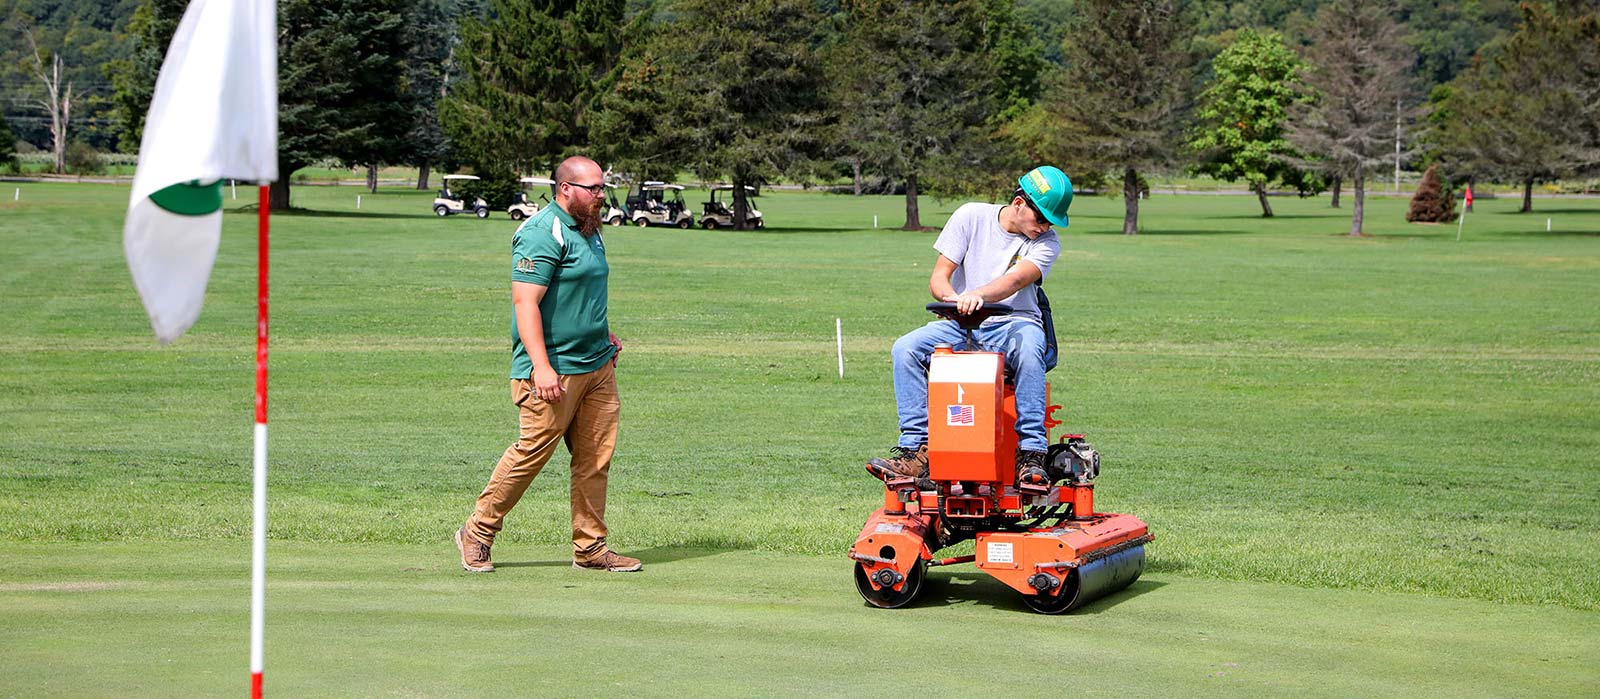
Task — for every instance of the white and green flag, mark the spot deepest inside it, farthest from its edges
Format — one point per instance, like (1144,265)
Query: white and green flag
(214,116)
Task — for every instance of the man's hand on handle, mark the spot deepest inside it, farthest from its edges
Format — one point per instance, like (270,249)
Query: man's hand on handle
(965,303)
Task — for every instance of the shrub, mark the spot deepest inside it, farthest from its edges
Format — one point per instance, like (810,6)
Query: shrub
(1431,203)
(83,159)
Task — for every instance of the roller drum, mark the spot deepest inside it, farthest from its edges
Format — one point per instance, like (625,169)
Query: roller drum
(1103,576)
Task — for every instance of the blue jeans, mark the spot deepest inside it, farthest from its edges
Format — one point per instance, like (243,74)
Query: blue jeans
(1022,342)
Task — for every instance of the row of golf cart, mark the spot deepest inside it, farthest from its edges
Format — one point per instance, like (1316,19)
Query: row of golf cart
(649,203)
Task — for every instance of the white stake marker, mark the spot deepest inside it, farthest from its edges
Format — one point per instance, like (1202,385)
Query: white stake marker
(838,335)
(17,196)
(233,185)
(1547,225)
(358,201)
(874,220)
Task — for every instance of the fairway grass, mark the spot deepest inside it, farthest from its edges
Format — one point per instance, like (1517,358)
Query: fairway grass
(388,619)
(1337,429)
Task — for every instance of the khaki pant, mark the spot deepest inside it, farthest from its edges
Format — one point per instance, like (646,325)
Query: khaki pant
(586,419)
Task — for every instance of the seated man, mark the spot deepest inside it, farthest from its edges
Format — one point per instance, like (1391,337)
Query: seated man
(988,253)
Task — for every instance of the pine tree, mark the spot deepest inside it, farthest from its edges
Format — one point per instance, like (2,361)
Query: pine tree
(341,86)
(913,85)
(1431,203)
(531,74)
(1358,72)
(1123,100)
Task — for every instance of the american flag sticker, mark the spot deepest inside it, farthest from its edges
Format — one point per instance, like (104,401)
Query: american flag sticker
(960,415)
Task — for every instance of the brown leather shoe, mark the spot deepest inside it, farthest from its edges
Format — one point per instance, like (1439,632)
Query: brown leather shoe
(901,463)
(611,562)
(474,553)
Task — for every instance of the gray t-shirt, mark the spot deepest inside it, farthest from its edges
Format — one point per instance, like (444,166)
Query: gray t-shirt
(982,251)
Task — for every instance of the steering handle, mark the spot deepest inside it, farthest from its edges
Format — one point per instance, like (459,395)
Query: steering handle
(970,321)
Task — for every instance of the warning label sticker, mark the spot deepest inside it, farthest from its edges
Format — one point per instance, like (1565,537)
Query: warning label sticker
(889,528)
(998,552)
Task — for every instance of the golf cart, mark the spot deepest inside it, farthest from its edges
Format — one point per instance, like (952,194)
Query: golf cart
(614,214)
(649,204)
(522,206)
(719,213)
(449,203)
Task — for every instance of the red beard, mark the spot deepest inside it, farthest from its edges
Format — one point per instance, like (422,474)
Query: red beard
(587,216)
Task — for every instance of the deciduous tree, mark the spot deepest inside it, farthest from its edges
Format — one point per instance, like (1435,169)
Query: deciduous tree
(1239,133)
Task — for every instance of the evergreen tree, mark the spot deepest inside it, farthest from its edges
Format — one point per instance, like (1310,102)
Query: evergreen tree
(1431,203)
(742,87)
(8,146)
(1240,130)
(1358,71)
(913,85)
(341,84)
(1124,97)
(531,73)
(430,36)
(1530,110)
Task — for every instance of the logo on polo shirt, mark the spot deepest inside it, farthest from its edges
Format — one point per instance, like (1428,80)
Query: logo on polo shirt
(525,265)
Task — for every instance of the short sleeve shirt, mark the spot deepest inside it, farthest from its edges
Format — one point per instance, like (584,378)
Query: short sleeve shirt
(548,250)
(983,251)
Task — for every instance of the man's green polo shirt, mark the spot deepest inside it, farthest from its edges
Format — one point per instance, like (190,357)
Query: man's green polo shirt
(548,250)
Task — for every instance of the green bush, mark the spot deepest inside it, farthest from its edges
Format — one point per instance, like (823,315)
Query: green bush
(83,159)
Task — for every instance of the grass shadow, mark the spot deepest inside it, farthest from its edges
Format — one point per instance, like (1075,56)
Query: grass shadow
(1174,231)
(319,213)
(657,555)
(944,588)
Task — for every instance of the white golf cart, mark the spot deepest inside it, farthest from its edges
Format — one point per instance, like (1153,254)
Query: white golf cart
(522,206)
(449,202)
(650,205)
(719,213)
(614,214)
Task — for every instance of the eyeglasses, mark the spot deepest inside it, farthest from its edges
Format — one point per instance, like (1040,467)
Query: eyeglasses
(593,188)
(1037,214)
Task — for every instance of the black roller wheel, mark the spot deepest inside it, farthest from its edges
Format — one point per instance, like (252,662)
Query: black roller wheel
(887,597)
(1055,604)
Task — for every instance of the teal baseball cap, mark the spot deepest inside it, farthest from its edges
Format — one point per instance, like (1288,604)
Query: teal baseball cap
(1050,190)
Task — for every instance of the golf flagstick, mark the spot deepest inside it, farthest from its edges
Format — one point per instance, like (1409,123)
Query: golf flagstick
(258,527)
(1466,201)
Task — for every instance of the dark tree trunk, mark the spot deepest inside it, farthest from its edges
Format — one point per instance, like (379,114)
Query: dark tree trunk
(1130,200)
(1261,193)
(1527,196)
(278,196)
(855,175)
(372,178)
(913,217)
(422,176)
(1338,184)
(1358,192)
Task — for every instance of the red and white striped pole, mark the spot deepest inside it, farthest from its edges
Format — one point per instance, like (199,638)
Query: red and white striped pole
(258,548)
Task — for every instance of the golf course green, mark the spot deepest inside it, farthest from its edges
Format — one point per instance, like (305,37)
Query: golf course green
(1372,464)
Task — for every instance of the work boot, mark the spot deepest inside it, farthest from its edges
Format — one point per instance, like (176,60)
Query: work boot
(1031,475)
(611,562)
(474,553)
(901,463)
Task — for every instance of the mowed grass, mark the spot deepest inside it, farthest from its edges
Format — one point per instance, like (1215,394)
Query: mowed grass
(1282,403)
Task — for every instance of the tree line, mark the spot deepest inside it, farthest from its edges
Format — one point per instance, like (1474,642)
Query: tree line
(945,96)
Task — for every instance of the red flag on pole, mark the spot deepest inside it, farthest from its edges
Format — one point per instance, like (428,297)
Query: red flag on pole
(1468,198)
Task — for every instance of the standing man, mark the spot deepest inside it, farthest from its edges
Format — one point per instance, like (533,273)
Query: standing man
(563,359)
(987,254)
